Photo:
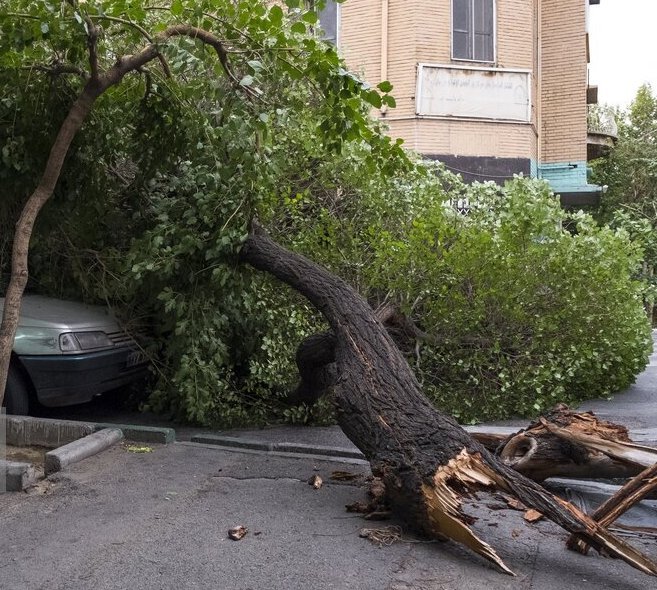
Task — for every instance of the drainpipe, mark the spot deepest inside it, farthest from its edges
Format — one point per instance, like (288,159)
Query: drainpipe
(384,47)
(539,84)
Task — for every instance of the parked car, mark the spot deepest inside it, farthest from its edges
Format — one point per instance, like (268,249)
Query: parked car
(66,353)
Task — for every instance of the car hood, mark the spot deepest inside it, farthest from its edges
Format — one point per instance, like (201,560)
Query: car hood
(44,312)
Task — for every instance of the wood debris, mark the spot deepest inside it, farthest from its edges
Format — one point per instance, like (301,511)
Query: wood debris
(532,515)
(383,536)
(315,481)
(564,443)
(237,533)
(627,496)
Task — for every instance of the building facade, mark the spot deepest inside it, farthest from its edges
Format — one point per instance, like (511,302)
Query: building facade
(491,88)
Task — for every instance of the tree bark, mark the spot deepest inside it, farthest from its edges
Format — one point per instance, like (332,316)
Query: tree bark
(572,444)
(632,492)
(426,460)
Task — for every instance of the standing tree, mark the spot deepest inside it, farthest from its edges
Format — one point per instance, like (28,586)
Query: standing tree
(630,172)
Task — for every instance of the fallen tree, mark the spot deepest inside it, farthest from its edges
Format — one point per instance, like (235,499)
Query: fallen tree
(427,462)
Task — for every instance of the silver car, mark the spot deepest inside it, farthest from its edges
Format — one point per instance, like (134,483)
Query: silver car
(66,353)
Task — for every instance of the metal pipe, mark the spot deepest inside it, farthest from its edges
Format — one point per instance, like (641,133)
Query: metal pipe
(384,47)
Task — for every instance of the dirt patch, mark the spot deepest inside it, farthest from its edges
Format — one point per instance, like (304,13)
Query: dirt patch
(34,455)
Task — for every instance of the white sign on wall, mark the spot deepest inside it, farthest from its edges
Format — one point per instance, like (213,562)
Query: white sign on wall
(485,93)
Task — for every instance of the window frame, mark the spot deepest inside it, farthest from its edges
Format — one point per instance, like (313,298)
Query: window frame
(451,30)
(338,8)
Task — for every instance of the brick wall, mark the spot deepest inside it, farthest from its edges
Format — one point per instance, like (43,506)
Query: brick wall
(563,80)
(420,31)
(466,138)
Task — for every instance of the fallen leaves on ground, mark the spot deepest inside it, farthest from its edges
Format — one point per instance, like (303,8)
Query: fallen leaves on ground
(138,449)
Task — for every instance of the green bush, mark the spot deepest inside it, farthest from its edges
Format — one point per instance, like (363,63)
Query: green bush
(520,312)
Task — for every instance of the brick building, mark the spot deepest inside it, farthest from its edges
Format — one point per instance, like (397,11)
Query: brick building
(490,87)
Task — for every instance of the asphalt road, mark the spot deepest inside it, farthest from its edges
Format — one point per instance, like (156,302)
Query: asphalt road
(159,520)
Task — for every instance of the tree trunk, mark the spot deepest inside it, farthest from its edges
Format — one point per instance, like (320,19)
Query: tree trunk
(426,460)
(564,443)
(98,83)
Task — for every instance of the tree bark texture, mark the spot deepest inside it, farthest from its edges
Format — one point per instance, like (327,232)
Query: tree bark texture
(426,460)
(564,443)
(632,492)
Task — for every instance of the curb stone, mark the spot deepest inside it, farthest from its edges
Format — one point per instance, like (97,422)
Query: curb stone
(80,449)
(144,434)
(647,436)
(16,476)
(281,447)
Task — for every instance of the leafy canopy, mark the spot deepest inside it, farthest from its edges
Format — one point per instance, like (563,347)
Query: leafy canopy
(157,193)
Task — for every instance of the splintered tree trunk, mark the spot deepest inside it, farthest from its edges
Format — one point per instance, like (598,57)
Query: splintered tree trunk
(426,460)
(564,443)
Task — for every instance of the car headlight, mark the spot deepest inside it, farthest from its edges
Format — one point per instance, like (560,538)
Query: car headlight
(76,341)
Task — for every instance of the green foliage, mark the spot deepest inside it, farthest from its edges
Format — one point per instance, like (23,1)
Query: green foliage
(521,313)
(630,172)
(156,196)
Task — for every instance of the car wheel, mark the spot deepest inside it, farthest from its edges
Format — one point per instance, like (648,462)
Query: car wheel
(17,396)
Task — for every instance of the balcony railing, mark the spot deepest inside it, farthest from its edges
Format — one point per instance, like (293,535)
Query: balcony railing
(602,121)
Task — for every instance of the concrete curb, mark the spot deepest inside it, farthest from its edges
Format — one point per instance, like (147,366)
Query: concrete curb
(80,449)
(24,431)
(145,434)
(16,476)
(276,453)
(646,436)
(280,447)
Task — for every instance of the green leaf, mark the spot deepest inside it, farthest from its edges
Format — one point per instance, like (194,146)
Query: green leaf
(177,7)
(372,97)
(389,100)
(385,86)
(310,17)
(298,27)
(44,28)
(276,15)
(246,81)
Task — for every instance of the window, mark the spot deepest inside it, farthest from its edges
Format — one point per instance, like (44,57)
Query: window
(473,30)
(328,21)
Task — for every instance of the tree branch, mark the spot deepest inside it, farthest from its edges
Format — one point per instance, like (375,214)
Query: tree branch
(143,32)
(57,69)
(92,46)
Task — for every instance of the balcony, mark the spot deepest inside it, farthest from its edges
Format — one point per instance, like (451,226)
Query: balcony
(602,131)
